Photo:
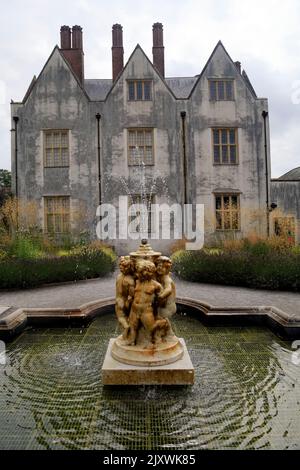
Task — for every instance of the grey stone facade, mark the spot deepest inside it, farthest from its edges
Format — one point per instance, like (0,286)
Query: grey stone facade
(58,100)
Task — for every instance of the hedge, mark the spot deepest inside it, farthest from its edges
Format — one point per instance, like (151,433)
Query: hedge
(262,270)
(25,273)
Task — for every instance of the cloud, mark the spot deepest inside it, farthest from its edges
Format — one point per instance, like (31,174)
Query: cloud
(263,35)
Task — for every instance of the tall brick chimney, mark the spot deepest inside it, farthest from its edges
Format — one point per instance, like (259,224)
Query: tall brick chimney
(158,49)
(73,50)
(117,51)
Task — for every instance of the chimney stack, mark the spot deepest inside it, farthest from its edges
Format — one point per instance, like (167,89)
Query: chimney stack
(72,50)
(117,51)
(238,66)
(158,48)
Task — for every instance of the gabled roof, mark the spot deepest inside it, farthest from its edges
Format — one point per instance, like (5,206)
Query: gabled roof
(35,80)
(181,86)
(138,47)
(292,175)
(246,80)
(98,89)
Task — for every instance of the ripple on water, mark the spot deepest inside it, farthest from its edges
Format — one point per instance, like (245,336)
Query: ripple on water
(245,393)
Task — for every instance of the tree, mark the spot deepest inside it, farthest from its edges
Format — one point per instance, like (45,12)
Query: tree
(5,185)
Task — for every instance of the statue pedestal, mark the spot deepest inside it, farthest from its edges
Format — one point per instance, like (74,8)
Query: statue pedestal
(180,372)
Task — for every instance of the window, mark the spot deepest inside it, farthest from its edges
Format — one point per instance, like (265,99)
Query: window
(56,148)
(57,214)
(140,146)
(285,227)
(145,223)
(221,90)
(227,212)
(139,90)
(225,146)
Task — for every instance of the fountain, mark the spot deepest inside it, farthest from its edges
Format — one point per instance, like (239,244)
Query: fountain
(147,351)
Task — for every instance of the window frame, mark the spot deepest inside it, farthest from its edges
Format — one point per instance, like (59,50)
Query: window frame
(136,130)
(230,211)
(53,131)
(135,81)
(228,145)
(218,80)
(56,213)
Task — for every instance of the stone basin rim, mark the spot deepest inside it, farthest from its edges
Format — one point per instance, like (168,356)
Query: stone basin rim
(17,319)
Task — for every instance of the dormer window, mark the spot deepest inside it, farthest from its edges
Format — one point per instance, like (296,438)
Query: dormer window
(139,90)
(221,90)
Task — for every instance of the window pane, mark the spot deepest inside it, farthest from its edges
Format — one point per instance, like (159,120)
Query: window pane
(224,136)
(226,202)
(234,202)
(218,202)
(48,140)
(131,138)
(217,154)
(216,136)
(140,138)
(219,220)
(227,225)
(64,139)
(139,90)
(147,92)
(229,90)
(232,136)
(213,90)
(131,90)
(232,154)
(221,90)
(235,220)
(148,137)
(148,155)
(224,154)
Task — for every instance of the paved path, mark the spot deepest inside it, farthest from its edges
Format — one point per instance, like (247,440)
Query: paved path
(78,293)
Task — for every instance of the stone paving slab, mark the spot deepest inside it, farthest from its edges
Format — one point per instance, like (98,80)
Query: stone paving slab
(71,295)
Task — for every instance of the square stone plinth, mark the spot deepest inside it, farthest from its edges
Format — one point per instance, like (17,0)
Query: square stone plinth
(180,372)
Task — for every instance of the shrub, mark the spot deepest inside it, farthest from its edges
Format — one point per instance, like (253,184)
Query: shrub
(25,273)
(256,265)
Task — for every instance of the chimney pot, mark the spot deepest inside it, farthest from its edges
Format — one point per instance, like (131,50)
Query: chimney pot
(65,37)
(238,66)
(77,37)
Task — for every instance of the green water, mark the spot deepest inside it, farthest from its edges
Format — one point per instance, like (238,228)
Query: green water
(246,393)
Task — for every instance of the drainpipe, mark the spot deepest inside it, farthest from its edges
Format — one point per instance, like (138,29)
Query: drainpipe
(16,120)
(98,117)
(265,114)
(183,133)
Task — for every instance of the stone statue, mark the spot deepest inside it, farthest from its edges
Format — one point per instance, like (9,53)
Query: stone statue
(124,292)
(147,290)
(167,297)
(145,301)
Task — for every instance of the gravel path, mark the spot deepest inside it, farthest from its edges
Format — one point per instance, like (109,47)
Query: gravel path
(77,293)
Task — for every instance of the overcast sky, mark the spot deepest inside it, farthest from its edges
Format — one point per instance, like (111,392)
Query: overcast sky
(263,34)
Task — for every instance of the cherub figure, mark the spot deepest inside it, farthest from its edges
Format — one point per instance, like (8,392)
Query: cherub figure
(145,294)
(167,297)
(124,292)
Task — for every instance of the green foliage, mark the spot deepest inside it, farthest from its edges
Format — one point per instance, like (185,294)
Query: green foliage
(255,265)
(25,273)
(5,179)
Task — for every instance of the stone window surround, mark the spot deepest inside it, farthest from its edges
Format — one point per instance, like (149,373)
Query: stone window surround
(60,147)
(130,162)
(217,91)
(222,194)
(228,145)
(135,81)
(60,212)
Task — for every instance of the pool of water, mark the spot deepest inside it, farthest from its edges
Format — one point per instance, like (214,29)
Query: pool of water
(246,393)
